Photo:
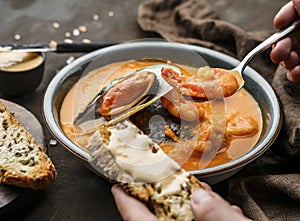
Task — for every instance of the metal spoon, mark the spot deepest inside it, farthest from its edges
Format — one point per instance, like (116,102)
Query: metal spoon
(263,46)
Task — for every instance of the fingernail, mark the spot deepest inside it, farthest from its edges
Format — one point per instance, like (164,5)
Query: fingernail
(200,196)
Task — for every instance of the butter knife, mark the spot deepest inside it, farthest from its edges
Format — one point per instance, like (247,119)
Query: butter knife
(58,47)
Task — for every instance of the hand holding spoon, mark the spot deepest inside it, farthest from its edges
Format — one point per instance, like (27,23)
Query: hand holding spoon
(265,45)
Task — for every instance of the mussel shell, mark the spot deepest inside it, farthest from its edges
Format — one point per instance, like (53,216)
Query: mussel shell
(124,93)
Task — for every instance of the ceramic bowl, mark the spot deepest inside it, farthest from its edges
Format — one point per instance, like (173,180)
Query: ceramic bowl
(186,54)
(17,83)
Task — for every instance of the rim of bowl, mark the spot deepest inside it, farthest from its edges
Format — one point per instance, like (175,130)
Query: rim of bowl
(70,69)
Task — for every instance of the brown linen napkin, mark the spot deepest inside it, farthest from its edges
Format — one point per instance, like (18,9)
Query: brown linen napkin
(269,188)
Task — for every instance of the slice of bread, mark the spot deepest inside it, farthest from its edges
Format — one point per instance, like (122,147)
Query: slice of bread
(168,198)
(22,162)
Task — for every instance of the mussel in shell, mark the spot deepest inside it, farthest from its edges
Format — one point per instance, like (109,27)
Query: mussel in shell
(128,92)
(127,95)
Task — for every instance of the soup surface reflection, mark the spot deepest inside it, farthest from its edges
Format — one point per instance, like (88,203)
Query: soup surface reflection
(225,130)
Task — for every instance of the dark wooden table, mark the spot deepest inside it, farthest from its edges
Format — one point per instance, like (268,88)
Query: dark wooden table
(78,194)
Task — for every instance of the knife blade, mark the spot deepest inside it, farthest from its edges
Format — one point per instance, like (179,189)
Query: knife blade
(58,47)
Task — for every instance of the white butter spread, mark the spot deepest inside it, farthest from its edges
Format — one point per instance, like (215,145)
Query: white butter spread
(172,183)
(19,61)
(138,155)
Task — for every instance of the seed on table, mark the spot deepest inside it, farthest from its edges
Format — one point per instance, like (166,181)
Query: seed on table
(68,40)
(70,60)
(17,37)
(53,142)
(96,17)
(67,34)
(82,28)
(86,40)
(76,32)
(111,13)
(56,25)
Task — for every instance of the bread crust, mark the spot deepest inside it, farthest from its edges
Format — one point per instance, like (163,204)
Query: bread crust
(22,162)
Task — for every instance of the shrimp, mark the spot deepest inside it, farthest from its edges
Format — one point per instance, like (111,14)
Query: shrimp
(237,125)
(181,107)
(207,83)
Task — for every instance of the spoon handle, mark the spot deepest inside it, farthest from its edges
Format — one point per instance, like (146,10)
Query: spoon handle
(267,43)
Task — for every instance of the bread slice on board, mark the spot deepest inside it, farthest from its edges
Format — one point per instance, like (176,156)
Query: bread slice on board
(168,196)
(22,162)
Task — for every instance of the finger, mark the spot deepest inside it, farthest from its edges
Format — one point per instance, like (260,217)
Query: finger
(205,186)
(294,75)
(292,61)
(296,4)
(281,51)
(130,208)
(296,41)
(236,208)
(285,15)
(217,196)
(206,207)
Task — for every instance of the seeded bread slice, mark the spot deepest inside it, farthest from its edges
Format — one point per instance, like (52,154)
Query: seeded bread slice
(22,162)
(173,206)
(165,204)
